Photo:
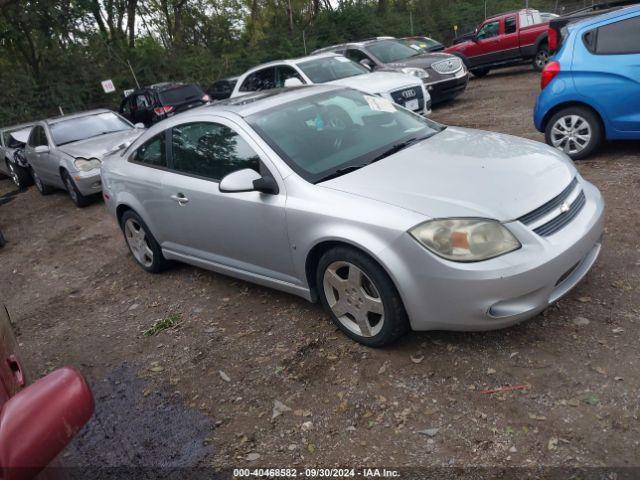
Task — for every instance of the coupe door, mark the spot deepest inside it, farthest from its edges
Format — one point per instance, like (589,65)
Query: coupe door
(243,231)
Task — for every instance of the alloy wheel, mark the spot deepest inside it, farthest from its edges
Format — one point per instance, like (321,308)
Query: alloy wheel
(71,188)
(542,58)
(353,298)
(14,174)
(137,241)
(571,134)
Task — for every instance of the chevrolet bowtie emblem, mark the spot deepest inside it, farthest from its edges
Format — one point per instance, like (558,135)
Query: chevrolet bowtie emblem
(565,207)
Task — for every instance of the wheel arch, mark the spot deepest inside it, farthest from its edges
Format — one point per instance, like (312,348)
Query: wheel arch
(315,254)
(573,103)
(542,39)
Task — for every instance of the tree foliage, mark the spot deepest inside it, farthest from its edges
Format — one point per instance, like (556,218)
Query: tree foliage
(55,53)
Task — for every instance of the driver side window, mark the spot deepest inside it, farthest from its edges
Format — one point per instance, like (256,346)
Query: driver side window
(489,30)
(38,137)
(210,150)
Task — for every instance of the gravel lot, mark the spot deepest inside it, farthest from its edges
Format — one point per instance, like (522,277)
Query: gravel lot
(78,298)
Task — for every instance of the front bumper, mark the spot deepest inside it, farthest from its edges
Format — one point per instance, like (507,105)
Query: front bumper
(88,183)
(444,90)
(444,295)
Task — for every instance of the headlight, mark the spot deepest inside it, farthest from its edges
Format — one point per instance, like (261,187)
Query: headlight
(84,164)
(465,239)
(416,72)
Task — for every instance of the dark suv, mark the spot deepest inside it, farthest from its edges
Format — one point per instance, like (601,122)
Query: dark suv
(152,104)
(443,75)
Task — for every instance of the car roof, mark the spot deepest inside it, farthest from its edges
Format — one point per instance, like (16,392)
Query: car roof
(616,12)
(293,61)
(70,116)
(255,102)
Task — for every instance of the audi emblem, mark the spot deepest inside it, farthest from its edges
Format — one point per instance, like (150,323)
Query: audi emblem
(409,94)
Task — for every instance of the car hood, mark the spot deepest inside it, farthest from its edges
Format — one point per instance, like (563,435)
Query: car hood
(379,82)
(424,60)
(98,147)
(461,172)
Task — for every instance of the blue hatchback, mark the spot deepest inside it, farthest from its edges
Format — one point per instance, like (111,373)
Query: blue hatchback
(591,87)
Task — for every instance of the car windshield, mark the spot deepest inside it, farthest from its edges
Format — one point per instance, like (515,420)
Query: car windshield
(321,70)
(181,94)
(81,128)
(328,134)
(388,51)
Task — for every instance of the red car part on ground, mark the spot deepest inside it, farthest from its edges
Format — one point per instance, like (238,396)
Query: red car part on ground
(39,420)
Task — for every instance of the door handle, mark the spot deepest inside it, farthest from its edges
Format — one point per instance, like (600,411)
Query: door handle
(16,370)
(180,198)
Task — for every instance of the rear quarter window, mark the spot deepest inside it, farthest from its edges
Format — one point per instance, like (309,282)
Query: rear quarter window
(619,38)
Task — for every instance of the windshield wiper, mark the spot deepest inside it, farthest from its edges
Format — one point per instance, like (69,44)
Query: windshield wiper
(400,146)
(341,171)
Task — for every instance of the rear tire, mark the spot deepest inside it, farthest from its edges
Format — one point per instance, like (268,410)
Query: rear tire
(577,131)
(480,72)
(43,188)
(541,58)
(143,246)
(77,198)
(360,297)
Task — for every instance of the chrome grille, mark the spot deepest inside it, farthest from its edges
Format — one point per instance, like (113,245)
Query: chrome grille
(450,65)
(401,97)
(557,212)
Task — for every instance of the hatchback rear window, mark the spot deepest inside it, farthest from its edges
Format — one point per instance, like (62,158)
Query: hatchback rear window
(181,94)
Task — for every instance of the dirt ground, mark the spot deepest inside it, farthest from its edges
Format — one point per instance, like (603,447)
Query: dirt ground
(78,298)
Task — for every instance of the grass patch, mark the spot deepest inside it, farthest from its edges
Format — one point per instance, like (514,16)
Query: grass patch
(163,324)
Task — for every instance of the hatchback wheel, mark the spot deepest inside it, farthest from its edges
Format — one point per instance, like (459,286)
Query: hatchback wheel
(141,243)
(78,198)
(541,59)
(360,297)
(43,188)
(576,131)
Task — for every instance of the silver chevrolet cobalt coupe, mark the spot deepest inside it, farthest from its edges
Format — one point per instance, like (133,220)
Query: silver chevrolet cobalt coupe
(391,220)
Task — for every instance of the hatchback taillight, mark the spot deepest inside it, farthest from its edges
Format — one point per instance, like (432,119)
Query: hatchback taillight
(549,73)
(163,110)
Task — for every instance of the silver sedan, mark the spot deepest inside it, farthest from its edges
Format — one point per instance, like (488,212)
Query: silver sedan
(66,152)
(390,220)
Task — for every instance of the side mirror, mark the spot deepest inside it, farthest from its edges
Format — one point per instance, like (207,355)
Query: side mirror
(41,149)
(139,125)
(293,82)
(365,62)
(39,421)
(247,180)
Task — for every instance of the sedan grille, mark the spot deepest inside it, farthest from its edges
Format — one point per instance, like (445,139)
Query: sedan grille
(546,220)
(401,97)
(450,65)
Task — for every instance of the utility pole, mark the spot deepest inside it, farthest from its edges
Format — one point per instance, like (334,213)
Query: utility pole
(411,21)
(485,9)
(133,73)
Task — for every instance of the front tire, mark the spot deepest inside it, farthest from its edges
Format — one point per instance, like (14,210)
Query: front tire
(43,188)
(143,246)
(360,297)
(480,72)
(77,198)
(577,131)
(20,175)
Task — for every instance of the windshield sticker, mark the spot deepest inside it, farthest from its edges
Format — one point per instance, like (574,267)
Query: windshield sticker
(380,104)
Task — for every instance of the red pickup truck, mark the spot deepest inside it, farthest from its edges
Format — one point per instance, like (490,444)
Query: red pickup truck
(505,40)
